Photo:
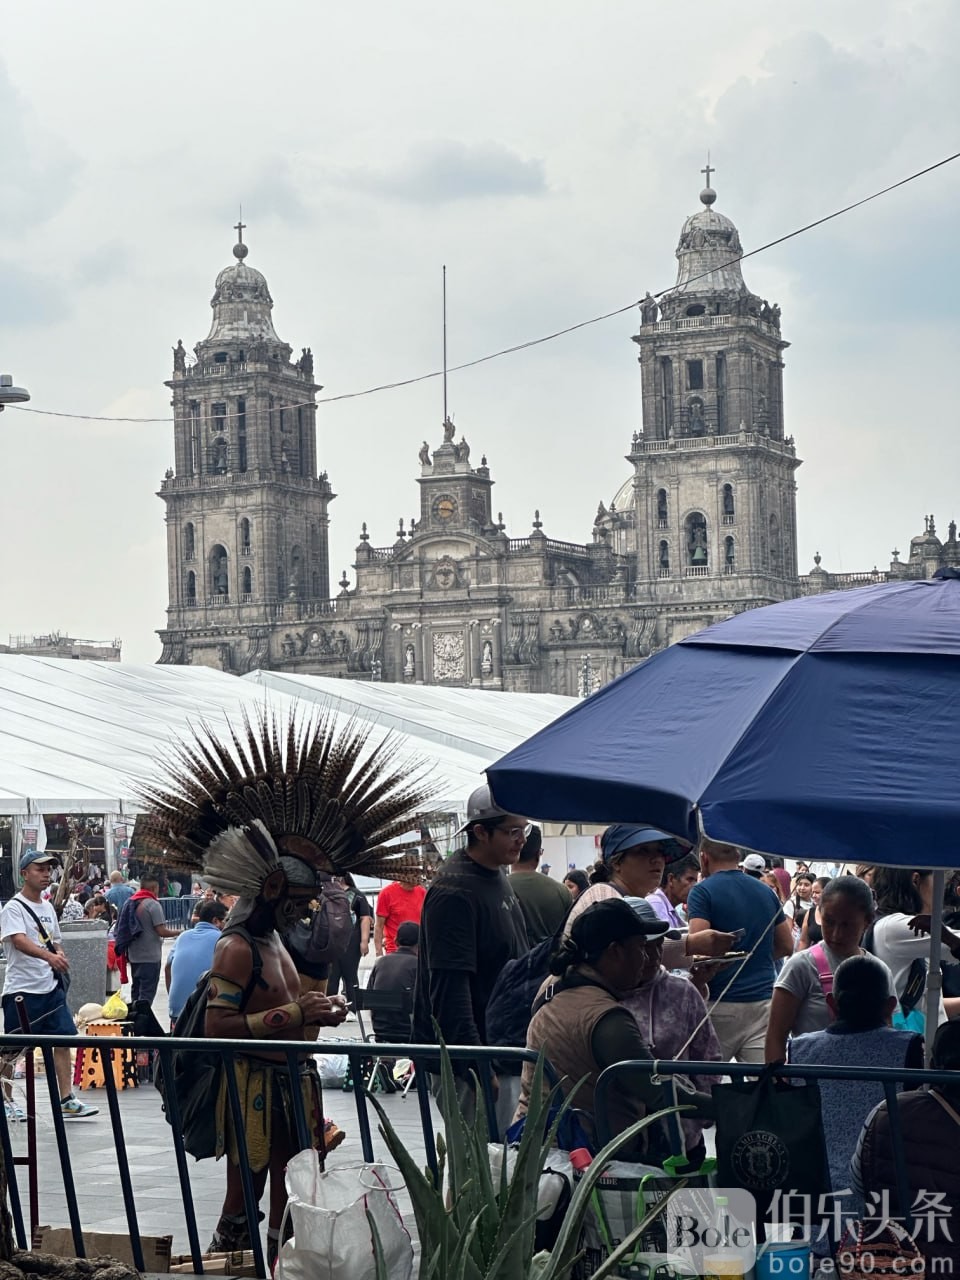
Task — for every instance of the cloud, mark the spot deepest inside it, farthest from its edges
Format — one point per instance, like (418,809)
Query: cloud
(39,172)
(30,299)
(442,171)
(272,192)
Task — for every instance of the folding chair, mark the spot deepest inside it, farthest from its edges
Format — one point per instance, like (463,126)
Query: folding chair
(392,1002)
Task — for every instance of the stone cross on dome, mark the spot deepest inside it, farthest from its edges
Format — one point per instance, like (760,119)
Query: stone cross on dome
(708,195)
(706,171)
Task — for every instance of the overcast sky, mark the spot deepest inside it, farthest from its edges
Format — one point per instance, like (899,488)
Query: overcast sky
(548,153)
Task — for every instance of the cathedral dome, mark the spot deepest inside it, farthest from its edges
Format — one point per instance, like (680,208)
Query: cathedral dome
(241,303)
(707,254)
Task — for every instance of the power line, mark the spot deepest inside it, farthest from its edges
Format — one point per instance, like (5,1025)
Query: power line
(549,337)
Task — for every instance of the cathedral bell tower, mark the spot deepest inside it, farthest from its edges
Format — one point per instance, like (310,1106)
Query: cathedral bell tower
(713,488)
(247,523)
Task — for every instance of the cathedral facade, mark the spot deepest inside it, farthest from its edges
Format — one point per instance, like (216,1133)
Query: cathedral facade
(703,527)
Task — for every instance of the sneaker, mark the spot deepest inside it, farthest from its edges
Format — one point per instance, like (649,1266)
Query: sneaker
(14,1112)
(73,1109)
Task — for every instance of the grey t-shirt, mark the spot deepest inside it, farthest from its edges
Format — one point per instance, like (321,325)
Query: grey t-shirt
(147,946)
(801,978)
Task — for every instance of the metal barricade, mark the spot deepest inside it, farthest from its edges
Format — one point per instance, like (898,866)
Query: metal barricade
(423,1057)
(888,1077)
(177,911)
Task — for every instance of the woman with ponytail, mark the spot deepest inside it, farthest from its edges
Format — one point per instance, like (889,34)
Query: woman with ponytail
(582,1026)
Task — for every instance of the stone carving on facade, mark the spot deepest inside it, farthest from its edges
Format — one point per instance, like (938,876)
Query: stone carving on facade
(486,659)
(409,662)
(448,655)
(649,309)
(446,575)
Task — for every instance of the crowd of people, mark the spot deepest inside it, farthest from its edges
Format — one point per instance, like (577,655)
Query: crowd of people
(657,952)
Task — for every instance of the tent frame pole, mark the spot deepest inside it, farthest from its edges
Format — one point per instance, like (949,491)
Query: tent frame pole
(934,974)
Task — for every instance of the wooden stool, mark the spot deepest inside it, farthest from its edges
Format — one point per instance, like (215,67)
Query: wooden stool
(90,1065)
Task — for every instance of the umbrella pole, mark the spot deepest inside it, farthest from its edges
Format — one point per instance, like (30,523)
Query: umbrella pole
(934,975)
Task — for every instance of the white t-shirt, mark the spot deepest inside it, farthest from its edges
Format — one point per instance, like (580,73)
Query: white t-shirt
(27,973)
(897,946)
(801,977)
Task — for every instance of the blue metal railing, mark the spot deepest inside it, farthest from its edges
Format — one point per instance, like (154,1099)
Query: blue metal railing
(177,911)
(424,1058)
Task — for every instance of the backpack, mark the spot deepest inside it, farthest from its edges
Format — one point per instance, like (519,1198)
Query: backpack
(510,1006)
(128,926)
(193,1077)
(325,937)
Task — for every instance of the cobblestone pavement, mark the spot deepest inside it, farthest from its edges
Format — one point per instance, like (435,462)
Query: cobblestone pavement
(153,1163)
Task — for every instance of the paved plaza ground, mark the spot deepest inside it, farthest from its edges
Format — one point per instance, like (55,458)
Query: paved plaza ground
(153,1163)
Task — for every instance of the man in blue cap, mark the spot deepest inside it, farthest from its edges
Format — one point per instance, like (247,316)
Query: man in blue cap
(35,957)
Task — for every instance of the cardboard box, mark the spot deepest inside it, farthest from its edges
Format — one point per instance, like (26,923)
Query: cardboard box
(59,1240)
(238,1263)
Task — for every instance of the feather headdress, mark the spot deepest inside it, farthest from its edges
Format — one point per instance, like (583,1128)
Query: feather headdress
(230,810)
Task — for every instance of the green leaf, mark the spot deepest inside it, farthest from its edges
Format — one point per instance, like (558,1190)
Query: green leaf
(380,1262)
(628,1245)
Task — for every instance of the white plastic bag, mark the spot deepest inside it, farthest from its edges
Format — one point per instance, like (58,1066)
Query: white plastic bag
(333,1067)
(331,1235)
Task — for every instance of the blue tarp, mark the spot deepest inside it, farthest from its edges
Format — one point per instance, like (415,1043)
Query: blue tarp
(825,728)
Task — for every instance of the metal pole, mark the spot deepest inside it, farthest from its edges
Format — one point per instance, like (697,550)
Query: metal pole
(934,976)
(444,343)
(123,1164)
(30,1084)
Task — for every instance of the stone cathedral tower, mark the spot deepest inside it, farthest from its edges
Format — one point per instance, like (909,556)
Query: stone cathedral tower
(247,524)
(713,490)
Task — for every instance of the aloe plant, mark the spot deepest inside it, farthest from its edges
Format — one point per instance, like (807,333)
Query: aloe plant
(470,1229)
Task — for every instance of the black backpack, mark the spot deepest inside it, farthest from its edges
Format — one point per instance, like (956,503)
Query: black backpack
(194,1076)
(319,941)
(510,1006)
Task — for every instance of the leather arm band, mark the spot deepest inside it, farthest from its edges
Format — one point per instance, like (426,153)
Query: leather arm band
(274,1022)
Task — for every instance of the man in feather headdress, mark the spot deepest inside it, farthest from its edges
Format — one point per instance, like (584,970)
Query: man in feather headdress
(260,817)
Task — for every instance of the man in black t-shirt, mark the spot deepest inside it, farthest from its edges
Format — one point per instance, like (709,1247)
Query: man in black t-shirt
(470,927)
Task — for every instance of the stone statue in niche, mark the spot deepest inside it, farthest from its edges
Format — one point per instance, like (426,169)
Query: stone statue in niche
(179,357)
(649,309)
(486,659)
(556,631)
(425,454)
(409,662)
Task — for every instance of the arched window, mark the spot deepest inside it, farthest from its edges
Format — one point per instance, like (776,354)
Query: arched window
(189,542)
(219,572)
(281,581)
(191,588)
(664,559)
(776,548)
(698,554)
(218,457)
(729,555)
(729,506)
(296,571)
(662,508)
(315,585)
(245,536)
(248,581)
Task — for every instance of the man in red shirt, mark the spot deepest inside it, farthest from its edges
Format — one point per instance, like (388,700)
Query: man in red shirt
(396,904)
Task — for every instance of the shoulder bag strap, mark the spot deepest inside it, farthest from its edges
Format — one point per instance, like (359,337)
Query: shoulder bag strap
(954,1115)
(41,927)
(824,972)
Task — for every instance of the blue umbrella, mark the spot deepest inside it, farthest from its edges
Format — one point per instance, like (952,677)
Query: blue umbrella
(826,727)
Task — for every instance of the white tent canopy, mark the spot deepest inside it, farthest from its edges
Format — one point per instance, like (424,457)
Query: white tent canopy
(75,736)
